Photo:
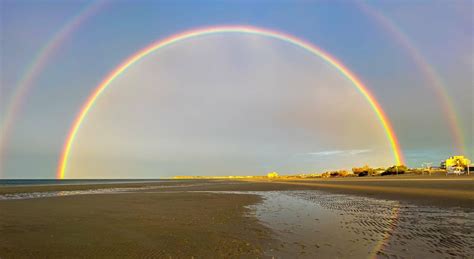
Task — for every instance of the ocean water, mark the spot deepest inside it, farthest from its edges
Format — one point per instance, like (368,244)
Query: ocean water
(37,195)
(92,190)
(22,182)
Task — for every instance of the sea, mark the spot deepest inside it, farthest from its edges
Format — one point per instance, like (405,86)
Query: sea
(30,182)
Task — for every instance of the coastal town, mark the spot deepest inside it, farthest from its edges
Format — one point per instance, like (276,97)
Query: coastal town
(454,165)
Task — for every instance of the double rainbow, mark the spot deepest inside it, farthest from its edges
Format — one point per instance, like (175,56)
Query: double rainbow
(89,104)
(34,69)
(435,81)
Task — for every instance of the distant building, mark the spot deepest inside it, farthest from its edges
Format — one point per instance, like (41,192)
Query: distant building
(272,175)
(442,165)
(456,161)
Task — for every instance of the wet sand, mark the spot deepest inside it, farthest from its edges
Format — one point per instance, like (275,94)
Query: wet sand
(450,191)
(177,224)
(326,218)
(444,191)
(313,223)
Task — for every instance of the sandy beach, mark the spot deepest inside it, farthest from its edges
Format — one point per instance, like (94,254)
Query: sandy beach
(204,218)
(131,225)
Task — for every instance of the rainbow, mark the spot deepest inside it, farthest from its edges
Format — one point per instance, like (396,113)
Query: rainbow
(88,105)
(435,82)
(388,233)
(37,65)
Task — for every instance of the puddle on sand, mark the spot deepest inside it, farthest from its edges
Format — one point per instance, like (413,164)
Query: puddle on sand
(313,224)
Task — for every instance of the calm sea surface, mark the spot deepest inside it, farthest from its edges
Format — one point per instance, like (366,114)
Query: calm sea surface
(16,182)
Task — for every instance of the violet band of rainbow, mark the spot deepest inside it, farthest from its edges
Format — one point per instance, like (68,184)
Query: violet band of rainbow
(100,89)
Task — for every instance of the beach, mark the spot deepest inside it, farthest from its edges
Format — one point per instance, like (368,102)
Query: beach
(370,217)
(130,225)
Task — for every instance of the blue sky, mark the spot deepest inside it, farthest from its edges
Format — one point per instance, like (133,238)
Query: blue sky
(443,35)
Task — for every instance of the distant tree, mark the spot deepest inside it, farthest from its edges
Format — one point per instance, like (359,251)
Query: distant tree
(363,171)
(326,175)
(343,173)
(396,169)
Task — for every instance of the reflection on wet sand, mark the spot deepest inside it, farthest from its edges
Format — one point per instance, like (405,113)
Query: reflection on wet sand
(315,223)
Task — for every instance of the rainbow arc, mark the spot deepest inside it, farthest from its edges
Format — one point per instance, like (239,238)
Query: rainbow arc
(339,66)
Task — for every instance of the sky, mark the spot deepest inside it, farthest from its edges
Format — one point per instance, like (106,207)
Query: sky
(234,103)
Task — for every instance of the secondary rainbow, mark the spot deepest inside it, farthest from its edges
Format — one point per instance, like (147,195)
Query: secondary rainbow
(434,80)
(34,69)
(87,106)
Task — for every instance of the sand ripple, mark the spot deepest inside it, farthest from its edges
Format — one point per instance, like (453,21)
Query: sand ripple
(402,230)
(315,223)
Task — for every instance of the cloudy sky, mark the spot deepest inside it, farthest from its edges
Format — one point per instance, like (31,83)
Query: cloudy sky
(232,103)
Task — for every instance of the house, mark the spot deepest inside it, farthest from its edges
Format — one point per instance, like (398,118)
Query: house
(456,161)
(272,175)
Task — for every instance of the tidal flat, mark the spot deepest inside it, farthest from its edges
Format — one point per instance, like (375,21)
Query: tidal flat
(228,219)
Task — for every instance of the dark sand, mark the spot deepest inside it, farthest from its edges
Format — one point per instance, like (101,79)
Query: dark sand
(131,225)
(450,191)
(170,221)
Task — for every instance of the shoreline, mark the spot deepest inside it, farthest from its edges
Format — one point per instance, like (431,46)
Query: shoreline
(188,218)
(424,195)
(447,191)
(5,189)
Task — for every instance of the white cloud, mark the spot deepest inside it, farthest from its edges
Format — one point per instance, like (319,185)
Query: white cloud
(339,152)
(325,153)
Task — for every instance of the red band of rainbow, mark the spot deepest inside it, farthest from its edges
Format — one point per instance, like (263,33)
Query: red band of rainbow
(87,106)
